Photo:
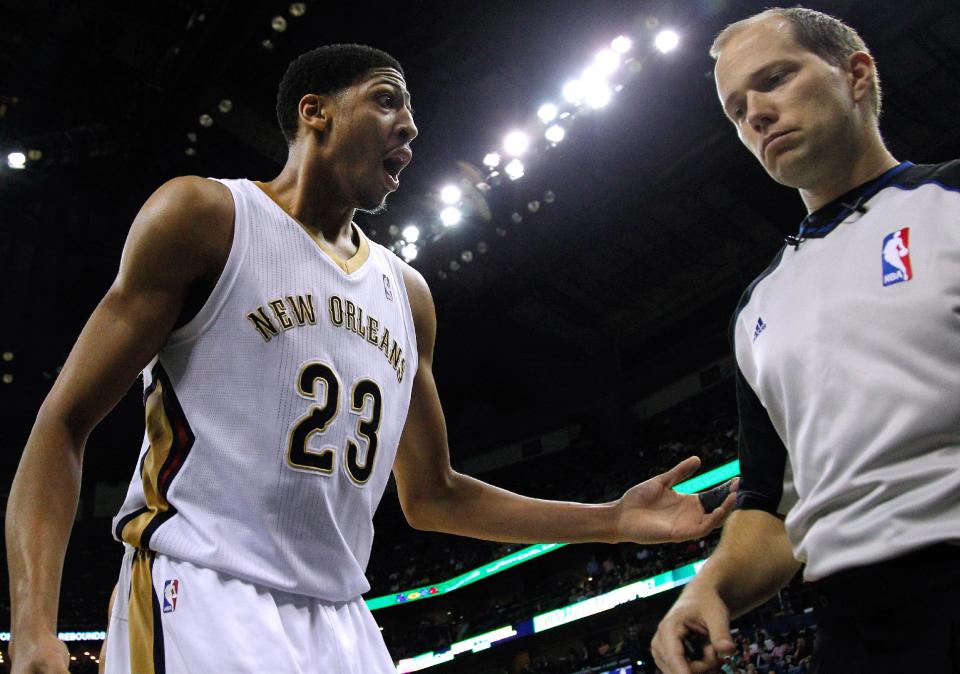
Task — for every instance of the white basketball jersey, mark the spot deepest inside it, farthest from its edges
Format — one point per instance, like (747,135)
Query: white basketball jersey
(273,416)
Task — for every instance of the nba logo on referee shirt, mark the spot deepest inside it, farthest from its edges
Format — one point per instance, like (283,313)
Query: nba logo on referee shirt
(171,588)
(896,257)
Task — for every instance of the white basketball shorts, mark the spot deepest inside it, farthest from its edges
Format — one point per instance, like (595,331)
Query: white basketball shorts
(173,617)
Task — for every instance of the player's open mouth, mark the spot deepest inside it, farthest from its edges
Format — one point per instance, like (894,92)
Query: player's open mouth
(391,170)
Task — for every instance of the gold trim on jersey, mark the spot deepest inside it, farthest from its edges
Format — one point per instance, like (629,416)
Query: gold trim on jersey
(160,433)
(170,439)
(145,634)
(348,266)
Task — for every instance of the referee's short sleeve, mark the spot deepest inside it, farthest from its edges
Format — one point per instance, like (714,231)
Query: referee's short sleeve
(764,469)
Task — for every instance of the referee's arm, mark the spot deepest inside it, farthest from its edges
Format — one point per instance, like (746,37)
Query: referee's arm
(753,560)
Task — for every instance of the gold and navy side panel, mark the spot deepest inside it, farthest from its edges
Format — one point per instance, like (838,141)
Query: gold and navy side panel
(170,439)
(145,628)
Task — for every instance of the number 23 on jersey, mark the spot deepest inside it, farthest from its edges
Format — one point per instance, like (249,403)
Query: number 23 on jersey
(321,415)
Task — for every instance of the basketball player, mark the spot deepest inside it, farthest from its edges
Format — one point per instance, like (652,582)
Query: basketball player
(287,369)
(848,371)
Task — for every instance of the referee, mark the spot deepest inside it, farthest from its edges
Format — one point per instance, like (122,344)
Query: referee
(848,354)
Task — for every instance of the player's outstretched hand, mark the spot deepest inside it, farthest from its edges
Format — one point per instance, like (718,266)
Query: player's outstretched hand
(42,655)
(694,635)
(652,512)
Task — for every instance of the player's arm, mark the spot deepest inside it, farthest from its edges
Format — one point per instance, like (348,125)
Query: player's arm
(437,498)
(177,244)
(754,559)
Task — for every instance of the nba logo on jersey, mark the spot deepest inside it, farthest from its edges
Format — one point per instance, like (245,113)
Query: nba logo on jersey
(171,588)
(896,257)
(386,288)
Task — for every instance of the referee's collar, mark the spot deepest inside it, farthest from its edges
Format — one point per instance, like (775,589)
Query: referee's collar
(826,218)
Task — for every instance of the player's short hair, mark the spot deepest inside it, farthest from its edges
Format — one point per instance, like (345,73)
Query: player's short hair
(325,70)
(824,35)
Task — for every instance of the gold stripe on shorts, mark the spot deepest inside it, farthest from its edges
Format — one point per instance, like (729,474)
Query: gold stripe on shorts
(146,636)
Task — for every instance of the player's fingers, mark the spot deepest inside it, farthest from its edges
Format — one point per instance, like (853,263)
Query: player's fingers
(681,471)
(712,499)
(709,522)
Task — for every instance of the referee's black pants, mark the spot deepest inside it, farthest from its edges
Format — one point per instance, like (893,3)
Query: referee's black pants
(900,616)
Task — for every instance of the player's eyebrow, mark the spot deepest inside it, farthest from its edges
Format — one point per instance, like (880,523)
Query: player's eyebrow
(399,88)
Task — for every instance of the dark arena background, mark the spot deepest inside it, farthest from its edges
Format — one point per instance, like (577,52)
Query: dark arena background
(585,217)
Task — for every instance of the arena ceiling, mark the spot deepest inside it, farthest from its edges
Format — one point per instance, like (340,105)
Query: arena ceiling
(625,280)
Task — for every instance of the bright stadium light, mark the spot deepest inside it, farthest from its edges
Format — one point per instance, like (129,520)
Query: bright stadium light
(514,169)
(573,91)
(450,216)
(17,160)
(491,160)
(547,113)
(591,78)
(607,61)
(666,41)
(621,44)
(555,133)
(516,143)
(409,252)
(599,96)
(411,233)
(450,194)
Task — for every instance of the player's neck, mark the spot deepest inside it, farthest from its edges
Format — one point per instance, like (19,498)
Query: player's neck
(865,163)
(310,196)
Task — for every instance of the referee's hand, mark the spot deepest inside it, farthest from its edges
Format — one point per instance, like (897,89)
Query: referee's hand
(694,636)
(41,654)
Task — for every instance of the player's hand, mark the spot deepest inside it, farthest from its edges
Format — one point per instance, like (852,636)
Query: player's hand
(652,512)
(694,635)
(41,654)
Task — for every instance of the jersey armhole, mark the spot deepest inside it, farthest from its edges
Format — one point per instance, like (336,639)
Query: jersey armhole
(407,311)
(197,325)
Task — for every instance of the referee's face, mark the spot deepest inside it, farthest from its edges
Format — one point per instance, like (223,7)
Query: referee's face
(793,110)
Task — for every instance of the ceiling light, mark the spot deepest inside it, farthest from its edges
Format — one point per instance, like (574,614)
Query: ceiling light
(607,61)
(491,159)
(17,160)
(514,169)
(516,143)
(547,113)
(555,133)
(621,44)
(409,252)
(599,96)
(573,91)
(279,24)
(450,216)
(666,41)
(411,233)
(450,194)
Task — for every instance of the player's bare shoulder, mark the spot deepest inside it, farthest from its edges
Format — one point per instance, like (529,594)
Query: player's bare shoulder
(190,214)
(184,231)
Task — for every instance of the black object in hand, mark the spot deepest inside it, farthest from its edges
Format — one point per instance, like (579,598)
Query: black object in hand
(711,499)
(693,643)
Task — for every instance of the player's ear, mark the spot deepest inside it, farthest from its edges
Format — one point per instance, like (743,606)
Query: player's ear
(315,111)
